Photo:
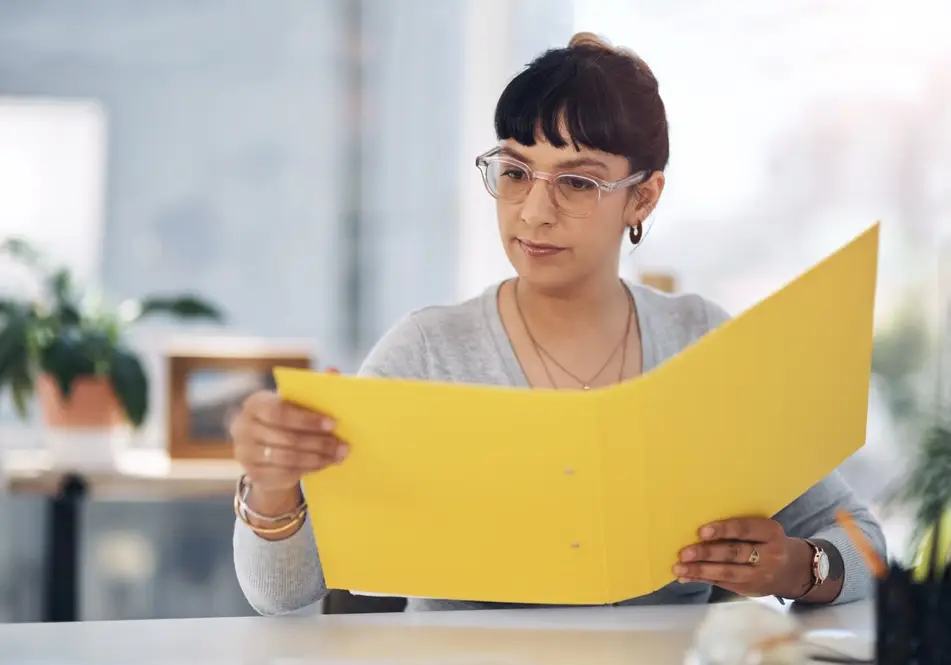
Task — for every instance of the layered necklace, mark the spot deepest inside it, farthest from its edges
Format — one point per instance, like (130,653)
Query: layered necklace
(545,356)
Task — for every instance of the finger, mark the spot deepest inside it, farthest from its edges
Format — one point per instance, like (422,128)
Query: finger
(280,448)
(285,460)
(716,573)
(271,410)
(290,459)
(257,435)
(728,551)
(749,529)
(322,444)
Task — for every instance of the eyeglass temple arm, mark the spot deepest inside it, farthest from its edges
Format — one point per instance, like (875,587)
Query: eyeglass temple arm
(633,179)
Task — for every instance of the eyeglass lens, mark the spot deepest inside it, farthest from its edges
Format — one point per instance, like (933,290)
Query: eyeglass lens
(511,182)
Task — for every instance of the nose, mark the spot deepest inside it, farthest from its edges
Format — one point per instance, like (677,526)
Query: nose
(537,208)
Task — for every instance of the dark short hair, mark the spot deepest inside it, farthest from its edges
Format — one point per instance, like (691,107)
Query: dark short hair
(607,98)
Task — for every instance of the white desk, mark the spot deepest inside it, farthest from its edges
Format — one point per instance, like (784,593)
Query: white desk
(592,636)
(137,475)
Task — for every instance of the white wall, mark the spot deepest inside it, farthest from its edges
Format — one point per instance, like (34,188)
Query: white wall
(52,181)
(501,37)
(793,127)
(488,67)
(224,124)
(409,239)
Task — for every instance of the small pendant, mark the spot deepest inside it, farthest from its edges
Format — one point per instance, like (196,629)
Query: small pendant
(585,387)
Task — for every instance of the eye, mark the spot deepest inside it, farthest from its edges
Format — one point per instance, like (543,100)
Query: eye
(514,173)
(579,184)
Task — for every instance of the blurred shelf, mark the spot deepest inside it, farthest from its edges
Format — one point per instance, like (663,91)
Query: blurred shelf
(137,475)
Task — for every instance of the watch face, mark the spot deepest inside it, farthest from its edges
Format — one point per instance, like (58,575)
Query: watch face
(822,566)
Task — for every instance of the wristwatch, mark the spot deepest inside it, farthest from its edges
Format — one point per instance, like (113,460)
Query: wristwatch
(821,565)
(826,563)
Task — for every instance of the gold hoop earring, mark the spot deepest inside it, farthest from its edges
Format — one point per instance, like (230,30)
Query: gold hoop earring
(636,233)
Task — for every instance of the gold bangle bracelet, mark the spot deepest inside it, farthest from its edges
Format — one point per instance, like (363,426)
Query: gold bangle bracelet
(294,522)
(242,491)
(271,531)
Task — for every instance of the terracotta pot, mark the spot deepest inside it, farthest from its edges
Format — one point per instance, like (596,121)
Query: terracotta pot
(92,404)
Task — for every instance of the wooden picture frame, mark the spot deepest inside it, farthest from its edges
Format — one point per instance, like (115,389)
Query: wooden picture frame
(197,430)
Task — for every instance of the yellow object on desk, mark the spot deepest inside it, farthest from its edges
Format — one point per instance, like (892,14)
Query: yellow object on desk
(922,560)
(585,497)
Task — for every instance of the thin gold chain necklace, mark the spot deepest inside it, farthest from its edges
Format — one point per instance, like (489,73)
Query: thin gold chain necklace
(542,351)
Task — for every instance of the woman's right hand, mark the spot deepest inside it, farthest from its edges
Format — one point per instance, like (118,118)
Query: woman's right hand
(276,443)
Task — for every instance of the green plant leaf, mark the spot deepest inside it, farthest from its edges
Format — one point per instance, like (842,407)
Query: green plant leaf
(901,350)
(8,308)
(928,485)
(14,357)
(181,307)
(13,341)
(67,357)
(21,386)
(61,284)
(61,287)
(130,384)
(97,347)
(24,252)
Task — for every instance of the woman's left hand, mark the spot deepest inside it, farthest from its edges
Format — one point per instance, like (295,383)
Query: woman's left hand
(751,556)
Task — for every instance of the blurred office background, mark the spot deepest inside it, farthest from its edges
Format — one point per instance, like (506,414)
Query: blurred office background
(308,164)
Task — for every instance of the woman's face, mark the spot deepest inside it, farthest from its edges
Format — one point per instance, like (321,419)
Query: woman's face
(548,246)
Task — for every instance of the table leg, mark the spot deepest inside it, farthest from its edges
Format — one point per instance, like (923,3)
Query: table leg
(63,523)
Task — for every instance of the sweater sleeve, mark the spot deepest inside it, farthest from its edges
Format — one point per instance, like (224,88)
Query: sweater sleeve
(812,515)
(278,577)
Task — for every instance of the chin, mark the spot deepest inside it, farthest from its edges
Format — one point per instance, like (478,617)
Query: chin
(545,278)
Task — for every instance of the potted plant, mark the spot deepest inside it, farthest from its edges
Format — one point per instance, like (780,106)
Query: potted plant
(928,488)
(70,352)
(928,485)
(913,603)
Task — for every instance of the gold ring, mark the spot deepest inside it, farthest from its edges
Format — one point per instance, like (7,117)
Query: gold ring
(754,557)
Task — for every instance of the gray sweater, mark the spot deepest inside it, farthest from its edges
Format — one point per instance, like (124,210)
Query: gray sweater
(467,343)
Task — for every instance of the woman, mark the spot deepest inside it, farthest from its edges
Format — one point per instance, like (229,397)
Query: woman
(579,166)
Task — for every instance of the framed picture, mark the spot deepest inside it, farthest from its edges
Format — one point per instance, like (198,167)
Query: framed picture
(206,391)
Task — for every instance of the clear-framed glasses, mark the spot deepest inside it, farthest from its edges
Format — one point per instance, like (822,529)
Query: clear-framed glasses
(573,194)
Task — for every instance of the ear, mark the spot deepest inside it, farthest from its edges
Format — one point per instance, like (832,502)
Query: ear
(644,200)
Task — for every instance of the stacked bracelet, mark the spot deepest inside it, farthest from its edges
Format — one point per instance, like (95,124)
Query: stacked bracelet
(283,523)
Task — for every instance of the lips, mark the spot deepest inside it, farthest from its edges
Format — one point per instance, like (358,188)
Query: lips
(538,249)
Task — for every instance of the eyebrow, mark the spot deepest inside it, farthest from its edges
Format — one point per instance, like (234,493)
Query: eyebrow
(566,164)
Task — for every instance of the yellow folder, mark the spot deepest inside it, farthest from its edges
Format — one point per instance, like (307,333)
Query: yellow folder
(540,496)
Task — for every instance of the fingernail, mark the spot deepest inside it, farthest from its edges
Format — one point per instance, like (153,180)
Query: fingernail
(682,580)
(327,425)
(688,554)
(342,451)
(707,532)
(679,570)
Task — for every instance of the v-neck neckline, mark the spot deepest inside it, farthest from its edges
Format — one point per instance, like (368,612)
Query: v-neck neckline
(506,350)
